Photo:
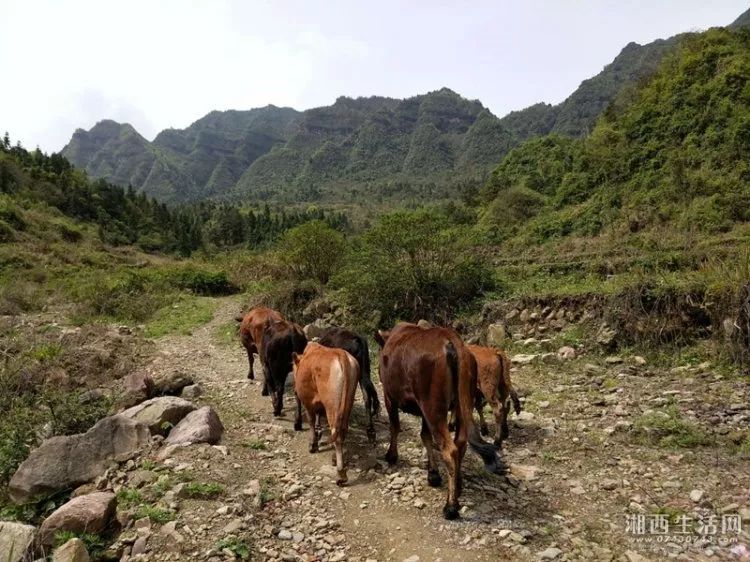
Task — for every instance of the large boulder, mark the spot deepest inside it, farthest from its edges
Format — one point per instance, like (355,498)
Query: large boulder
(160,414)
(85,514)
(65,462)
(16,541)
(200,426)
(72,551)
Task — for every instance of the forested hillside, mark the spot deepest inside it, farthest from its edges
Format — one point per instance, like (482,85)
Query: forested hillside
(671,153)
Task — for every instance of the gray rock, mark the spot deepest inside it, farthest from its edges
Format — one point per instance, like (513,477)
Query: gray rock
(549,554)
(72,551)
(160,414)
(316,329)
(171,383)
(496,335)
(136,387)
(139,546)
(524,358)
(285,535)
(16,540)
(566,353)
(65,462)
(191,392)
(696,495)
(90,513)
(201,426)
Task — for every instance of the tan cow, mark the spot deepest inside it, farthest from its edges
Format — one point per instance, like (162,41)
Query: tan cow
(493,380)
(325,380)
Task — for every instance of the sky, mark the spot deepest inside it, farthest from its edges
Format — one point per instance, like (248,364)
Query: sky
(165,63)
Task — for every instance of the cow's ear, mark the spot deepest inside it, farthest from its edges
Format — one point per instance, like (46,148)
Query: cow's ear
(381,337)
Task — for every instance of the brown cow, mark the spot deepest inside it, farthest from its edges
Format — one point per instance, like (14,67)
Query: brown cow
(493,381)
(325,380)
(251,333)
(281,339)
(427,372)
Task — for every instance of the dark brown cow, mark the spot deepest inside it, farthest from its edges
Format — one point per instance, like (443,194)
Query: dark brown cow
(325,380)
(426,372)
(356,345)
(251,332)
(280,340)
(493,382)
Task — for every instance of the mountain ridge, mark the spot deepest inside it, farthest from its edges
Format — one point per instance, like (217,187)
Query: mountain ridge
(352,146)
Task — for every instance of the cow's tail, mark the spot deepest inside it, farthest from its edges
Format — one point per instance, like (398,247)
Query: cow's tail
(465,383)
(367,385)
(505,380)
(349,367)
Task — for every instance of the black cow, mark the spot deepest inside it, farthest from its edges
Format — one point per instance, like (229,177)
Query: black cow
(356,346)
(280,340)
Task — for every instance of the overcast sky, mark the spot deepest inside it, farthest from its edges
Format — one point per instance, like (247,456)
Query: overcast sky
(162,63)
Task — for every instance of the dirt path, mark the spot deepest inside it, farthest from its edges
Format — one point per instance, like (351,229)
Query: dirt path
(575,478)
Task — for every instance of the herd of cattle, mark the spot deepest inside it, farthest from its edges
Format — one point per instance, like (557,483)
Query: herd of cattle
(425,371)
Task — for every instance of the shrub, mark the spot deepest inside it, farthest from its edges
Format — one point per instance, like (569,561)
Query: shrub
(312,250)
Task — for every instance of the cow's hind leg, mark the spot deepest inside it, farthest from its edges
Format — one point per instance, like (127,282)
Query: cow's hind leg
(450,453)
(500,412)
(433,474)
(314,433)
(298,418)
(251,349)
(278,401)
(392,454)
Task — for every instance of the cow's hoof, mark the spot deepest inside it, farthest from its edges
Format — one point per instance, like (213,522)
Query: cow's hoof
(371,434)
(342,479)
(251,376)
(298,425)
(450,512)
(484,430)
(498,443)
(391,457)
(313,448)
(264,392)
(434,479)
(451,427)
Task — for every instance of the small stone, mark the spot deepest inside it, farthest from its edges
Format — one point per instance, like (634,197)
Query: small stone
(608,484)
(544,404)
(549,554)
(413,558)
(285,535)
(696,495)
(72,551)
(419,503)
(613,360)
(566,353)
(525,416)
(638,360)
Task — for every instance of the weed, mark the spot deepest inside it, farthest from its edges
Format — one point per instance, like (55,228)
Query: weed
(129,497)
(669,429)
(155,513)
(95,544)
(256,444)
(237,547)
(181,317)
(204,490)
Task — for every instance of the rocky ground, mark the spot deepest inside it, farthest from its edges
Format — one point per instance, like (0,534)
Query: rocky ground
(590,451)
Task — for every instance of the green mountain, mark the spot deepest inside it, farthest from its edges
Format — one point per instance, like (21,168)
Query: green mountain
(281,153)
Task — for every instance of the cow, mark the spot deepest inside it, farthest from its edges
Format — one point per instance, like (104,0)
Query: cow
(427,372)
(494,386)
(251,333)
(325,381)
(280,340)
(356,345)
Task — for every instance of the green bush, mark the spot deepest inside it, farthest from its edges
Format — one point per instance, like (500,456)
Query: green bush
(412,265)
(204,282)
